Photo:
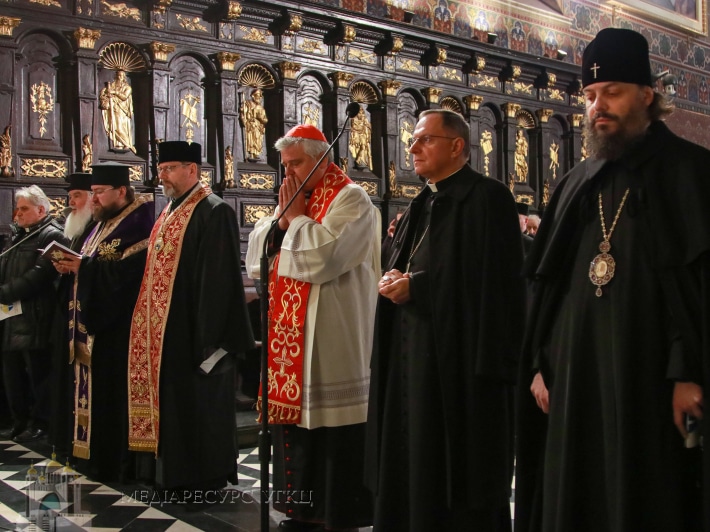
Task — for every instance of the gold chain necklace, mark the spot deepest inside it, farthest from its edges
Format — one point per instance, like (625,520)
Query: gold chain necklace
(601,271)
(416,248)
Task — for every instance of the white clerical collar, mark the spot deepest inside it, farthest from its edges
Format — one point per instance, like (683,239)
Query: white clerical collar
(432,186)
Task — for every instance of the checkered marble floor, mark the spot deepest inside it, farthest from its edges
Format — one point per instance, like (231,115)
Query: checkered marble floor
(37,493)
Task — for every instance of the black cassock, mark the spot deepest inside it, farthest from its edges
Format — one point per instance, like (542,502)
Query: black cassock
(198,447)
(611,458)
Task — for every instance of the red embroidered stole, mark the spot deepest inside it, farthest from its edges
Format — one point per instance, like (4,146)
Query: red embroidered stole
(150,319)
(288,303)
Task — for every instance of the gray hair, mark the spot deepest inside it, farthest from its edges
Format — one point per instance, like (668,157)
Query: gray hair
(311,147)
(453,122)
(35,196)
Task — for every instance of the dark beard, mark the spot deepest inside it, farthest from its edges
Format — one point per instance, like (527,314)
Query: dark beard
(104,214)
(610,146)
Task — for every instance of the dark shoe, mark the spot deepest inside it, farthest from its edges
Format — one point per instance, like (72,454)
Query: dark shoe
(30,434)
(10,433)
(300,526)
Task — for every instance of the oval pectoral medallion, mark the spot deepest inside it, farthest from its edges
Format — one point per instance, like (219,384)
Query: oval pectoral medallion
(601,270)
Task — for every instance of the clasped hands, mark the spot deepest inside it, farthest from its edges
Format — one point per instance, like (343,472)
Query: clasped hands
(298,207)
(394,285)
(68,264)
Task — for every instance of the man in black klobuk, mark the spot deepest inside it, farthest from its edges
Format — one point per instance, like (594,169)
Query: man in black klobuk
(78,224)
(450,315)
(106,281)
(618,332)
(189,324)
(27,277)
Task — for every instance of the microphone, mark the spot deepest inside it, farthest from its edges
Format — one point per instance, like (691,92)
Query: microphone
(351,110)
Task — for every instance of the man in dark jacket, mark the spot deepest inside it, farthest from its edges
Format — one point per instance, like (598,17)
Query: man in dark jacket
(616,348)
(450,312)
(27,277)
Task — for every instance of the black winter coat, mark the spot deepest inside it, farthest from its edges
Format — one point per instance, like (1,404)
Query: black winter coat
(27,277)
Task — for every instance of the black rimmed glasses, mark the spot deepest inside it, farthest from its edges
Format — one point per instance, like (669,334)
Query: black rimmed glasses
(426,139)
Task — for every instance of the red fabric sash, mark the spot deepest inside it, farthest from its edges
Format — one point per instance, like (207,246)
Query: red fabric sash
(150,318)
(288,304)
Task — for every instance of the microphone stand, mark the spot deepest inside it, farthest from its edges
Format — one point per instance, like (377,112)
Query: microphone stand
(264,435)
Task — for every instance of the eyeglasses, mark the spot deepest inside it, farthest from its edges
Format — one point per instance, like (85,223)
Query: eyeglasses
(426,139)
(99,192)
(168,168)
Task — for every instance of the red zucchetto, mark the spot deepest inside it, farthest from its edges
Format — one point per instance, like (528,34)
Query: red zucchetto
(306,132)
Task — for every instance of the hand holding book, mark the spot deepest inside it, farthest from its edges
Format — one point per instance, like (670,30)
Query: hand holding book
(65,260)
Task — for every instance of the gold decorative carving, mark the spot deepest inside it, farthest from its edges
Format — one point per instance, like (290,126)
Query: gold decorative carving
(135,173)
(188,110)
(395,191)
(485,81)
(116,104)
(360,142)
(344,164)
(254,120)
(451,104)
(440,56)
(87,154)
(511,109)
(544,115)
(577,99)
(121,56)
(473,101)
(411,191)
(551,79)
(256,76)
(56,205)
(121,11)
(349,33)
(311,46)
(575,119)
(546,192)
(522,88)
(397,45)
(521,156)
(161,6)
(42,104)
(527,199)
(191,23)
(227,60)
(235,10)
(555,94)
(161,50)
(296,22)
(228,168)
(254,213)
(362,92)
(369,186)
(356,54)
(86,38)
(288,69)
(8,25)
(310,115)
(516,71)
(452,73)
(405,134)
(48,3)
(409,65)
(206,178)
(341,79)
(432,94)
(43,167)
(257,181)
(554,158)
(389,86)
(487,147)
(6,169)
(254,34)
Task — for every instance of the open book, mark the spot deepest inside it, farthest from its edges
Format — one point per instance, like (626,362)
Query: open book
(56,251)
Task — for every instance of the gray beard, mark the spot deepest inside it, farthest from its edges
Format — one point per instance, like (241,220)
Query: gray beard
(76,222)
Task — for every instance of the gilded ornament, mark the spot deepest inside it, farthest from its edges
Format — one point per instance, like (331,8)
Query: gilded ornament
(349,33)
(121,11)
(411,191)
(227,60)
(432,94)
(56,206)
(254,120)
(257,181)
(511,109)
(116,104)
(206,178)
(487,147)
(522,88)
(395,190)
(86,38)
(234,11)
(555,94)
(311,46)
(161,50)
(135,173)
(42,103)
(254,34)
(369,186)
(405,135)
(6,169)
(8,25)
(544,115)
(254,213)
(363,92)
(575,119)
(189,111)
(48,3)
(341,79)
(452,74)
(256,76)
(310,116)
(296,21)
(390,87)
(87,154)
(521,156)
(408,65)
(485,81)
(473,101)
(451,104)
(554,158)
(228,168)
(43,167)
(362,56)
(360,142)
(190,23)
(288,69)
